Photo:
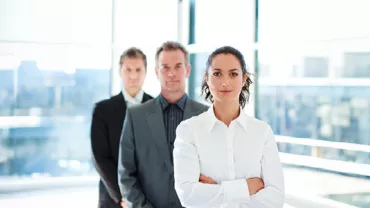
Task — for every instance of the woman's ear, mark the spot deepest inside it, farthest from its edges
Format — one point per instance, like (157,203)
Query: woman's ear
(245,77)
(206,76)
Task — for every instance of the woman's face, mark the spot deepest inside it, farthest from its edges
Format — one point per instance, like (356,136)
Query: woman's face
(225,78)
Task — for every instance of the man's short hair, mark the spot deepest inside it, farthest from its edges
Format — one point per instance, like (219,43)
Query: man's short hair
(132,53)
(171,46)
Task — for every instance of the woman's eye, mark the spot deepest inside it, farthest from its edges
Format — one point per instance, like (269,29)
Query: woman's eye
(217,74)
(234,74)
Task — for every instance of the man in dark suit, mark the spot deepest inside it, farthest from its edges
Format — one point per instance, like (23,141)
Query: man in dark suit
(107,125)
(145,167)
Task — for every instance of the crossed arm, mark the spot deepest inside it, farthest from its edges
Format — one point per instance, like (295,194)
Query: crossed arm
(196,190)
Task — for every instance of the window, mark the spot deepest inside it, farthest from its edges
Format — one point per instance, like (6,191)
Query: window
(47,96)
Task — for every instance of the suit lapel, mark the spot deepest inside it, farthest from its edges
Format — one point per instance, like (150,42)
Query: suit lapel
(156,125)
(120,106)
(189,110)
(146,97)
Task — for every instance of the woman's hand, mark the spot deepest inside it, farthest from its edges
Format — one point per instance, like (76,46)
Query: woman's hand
(123,203)
(206,180)
(255,185)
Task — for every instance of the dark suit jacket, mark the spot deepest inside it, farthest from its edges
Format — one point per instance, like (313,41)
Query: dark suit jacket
(106,129)
(145,170)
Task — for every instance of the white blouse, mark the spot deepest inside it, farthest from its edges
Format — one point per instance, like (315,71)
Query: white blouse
(228,155)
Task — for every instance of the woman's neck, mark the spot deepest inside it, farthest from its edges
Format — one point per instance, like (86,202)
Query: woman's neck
(226,112)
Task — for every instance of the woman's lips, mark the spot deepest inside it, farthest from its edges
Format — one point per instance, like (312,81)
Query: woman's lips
(225,91)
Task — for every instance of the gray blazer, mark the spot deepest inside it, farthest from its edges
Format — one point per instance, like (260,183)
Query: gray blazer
(145,171)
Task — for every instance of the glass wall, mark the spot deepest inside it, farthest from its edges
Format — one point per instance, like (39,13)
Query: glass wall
(225,24)
(314,86)
(314,73)
(47,94)
(58,58)
(311,66)
(55,63)
(145,24)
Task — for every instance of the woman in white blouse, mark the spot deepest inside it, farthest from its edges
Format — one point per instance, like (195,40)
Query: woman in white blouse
(223,157)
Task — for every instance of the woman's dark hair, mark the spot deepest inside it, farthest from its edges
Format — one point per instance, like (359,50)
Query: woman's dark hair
(244,94)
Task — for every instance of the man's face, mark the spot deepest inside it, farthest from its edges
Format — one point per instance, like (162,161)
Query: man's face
(133,74)
(172,70)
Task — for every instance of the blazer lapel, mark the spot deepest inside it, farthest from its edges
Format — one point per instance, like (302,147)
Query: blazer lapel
(156,125)
(146,97)
(120,106)
(189,110)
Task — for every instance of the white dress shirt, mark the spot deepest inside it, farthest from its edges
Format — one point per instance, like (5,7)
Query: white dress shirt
(228,155)
(130,101)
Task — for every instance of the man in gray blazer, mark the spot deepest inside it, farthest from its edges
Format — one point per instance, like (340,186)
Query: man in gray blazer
(145,167)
